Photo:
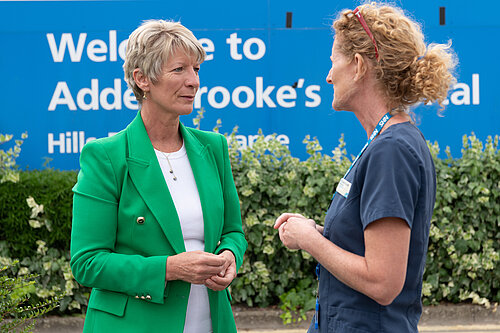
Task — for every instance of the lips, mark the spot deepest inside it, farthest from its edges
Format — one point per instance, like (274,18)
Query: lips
(187,96)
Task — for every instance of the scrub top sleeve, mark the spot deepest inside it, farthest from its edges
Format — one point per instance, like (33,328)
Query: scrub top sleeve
(391,182)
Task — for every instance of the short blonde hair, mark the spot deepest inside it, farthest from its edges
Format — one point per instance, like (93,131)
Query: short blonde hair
(151,44)
(407,70)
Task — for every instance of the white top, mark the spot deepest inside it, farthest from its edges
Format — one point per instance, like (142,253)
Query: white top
(187,202)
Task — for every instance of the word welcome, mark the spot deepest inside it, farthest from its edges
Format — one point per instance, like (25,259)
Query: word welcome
(99,50)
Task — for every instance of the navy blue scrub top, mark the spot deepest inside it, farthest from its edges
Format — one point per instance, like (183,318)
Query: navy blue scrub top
(395,177)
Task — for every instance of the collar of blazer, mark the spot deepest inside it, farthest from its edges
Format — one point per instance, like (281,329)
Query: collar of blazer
(148,178)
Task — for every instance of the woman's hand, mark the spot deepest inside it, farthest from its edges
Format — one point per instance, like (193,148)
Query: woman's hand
(294,230)
(195,266)
(224,278)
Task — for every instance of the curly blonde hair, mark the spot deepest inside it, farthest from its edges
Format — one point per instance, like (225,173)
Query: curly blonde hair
(407,70)
(151,44)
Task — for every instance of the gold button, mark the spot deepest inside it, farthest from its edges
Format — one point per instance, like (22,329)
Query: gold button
(136,296)
(148,297)
(141,220)
(142,297)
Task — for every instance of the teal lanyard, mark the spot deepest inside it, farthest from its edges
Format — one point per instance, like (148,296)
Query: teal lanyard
(375,132)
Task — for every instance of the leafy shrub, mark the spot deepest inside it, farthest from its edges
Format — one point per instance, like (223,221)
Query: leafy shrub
(14,292)
(8,167)
(50,266)
(269,182)
(463,259)
(51,188)
(297,301)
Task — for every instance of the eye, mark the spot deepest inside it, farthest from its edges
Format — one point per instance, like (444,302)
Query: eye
(196,69)
(178,69)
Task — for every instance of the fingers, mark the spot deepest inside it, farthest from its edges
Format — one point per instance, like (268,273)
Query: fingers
(209,283)
(218,282)
(228,257)
(209,258)
(281,230)
(284,217)
(194,267)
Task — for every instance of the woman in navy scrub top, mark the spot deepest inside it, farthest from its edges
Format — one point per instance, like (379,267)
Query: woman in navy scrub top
(373,246)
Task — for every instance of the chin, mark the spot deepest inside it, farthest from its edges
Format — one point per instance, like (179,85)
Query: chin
(337,106)
(340,105)
(185,112)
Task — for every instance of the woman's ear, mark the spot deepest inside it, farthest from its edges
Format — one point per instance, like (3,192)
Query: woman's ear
(141,80)
(360,67)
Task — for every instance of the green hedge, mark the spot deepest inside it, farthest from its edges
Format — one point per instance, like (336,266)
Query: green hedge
(463,256)
(463,259)
(48,187)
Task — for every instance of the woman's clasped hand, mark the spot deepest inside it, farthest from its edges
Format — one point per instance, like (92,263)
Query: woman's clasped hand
(199,267)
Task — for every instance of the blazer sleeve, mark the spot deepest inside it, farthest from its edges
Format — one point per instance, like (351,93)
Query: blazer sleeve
(232,237)
(94,261)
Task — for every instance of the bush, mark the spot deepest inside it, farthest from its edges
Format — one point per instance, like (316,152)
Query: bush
(50,266)
(8,167)
(14,292)
(51,188)
(269,182)
(463,257)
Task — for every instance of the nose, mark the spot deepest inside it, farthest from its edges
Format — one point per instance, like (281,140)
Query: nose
(193,80)
(329,77)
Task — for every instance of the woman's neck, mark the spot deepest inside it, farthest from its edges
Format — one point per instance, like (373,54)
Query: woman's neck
(369,117)
(163,130)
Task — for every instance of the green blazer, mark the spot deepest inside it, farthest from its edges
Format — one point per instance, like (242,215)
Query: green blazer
(125,225)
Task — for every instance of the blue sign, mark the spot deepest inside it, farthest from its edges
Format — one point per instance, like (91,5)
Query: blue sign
(63,79)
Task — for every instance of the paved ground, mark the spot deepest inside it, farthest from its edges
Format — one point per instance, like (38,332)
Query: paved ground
(438,319)
(449,329)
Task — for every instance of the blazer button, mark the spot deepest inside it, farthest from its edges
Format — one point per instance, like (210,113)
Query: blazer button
(148,296)
(142,297)
(136,296)
(141,220)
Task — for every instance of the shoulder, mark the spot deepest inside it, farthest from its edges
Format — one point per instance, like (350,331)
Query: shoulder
(109,141)
(111,147)
(401,146)
(206,137)
(402,139)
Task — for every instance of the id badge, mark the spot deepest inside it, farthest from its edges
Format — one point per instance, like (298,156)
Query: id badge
(343,188)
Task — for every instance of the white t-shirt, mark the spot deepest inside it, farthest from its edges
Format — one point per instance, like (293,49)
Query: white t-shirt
(187,202)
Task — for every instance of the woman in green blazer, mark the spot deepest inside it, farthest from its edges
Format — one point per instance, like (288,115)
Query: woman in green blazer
(157,228)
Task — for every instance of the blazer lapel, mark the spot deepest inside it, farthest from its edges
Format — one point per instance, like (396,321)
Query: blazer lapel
(208,183)
(147,176)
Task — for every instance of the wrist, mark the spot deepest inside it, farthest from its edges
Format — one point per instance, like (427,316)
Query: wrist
(170,269)
(229,255)
(307,242)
